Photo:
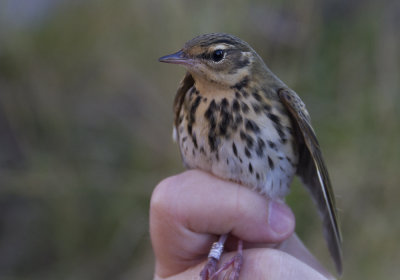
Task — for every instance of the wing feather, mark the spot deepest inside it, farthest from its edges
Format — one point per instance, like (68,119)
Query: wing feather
(186,83)
(313,172)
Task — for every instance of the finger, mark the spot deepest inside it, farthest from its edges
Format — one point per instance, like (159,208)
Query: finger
(264,264)
(295,247)
(189,209)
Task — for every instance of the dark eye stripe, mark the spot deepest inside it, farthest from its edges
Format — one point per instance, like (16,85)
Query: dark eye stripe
(241,63)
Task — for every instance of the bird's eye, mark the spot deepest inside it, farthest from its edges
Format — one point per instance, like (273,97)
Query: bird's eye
(218,55)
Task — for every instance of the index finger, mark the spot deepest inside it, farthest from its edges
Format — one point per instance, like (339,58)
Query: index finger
(189,210)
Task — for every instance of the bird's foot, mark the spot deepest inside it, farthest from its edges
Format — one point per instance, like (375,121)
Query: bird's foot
(209,269)
(213,258)
(236,263)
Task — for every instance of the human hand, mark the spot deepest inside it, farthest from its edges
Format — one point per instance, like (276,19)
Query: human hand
(190,210)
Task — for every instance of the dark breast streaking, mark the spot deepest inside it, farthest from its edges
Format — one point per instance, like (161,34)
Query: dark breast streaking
(237,120)
(247,137)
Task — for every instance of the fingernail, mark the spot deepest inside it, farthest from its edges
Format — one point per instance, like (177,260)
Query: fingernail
(280,217)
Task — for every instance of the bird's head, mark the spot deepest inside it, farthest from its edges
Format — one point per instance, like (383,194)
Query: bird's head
(217,58)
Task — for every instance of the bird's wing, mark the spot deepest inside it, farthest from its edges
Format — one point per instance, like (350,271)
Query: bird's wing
(186,83)
(313,172)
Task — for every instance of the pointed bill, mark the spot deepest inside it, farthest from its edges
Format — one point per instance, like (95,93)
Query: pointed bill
(177,58)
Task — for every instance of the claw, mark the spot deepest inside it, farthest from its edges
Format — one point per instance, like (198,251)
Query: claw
(209,269)
(237,265)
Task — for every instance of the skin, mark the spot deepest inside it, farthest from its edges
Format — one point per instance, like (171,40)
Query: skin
(183,225)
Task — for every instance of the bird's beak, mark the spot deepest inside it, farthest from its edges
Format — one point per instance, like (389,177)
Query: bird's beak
(177,58)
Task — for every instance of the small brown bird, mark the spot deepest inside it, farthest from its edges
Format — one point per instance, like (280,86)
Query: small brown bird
(235,119)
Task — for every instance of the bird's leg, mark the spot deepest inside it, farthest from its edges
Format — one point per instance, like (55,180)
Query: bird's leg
(236,262)
(213,258)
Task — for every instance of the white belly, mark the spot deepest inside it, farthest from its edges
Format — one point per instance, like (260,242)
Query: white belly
(268,168)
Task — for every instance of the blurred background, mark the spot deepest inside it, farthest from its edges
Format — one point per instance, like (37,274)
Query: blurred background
(86,118)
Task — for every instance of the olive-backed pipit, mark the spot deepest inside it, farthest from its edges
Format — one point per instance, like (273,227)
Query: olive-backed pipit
(235,119)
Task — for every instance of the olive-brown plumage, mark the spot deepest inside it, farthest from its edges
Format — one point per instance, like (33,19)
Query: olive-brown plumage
(235,119)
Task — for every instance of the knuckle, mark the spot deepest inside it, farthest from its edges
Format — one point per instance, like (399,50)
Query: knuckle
(166,199)
(160,197)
